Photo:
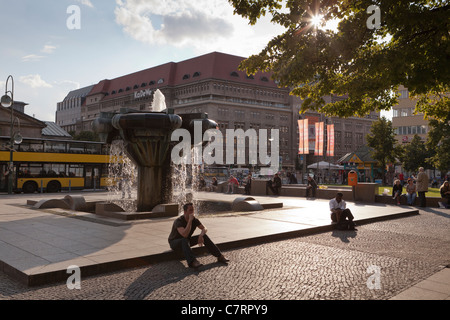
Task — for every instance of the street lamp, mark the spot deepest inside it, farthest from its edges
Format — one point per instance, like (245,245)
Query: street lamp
(7,101)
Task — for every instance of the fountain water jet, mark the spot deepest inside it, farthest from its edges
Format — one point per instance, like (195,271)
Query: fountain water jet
(147,141)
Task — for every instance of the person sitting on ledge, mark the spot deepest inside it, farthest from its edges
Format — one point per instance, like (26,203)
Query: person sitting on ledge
(233,184)
(312,185)
(340,214)
(181,239)
(274,185)
(397,190)
(444,190)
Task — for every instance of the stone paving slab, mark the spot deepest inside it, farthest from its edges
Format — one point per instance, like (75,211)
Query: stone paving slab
(37,246)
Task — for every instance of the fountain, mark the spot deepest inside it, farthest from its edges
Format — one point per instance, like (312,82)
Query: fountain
(147,140)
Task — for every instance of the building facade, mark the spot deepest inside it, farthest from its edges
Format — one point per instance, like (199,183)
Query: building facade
(68,112)
(405,122)
(213,84)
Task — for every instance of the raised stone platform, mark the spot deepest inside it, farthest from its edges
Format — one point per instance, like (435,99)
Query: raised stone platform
(38,246)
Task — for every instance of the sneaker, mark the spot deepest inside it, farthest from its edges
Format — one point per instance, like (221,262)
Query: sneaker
(441,205)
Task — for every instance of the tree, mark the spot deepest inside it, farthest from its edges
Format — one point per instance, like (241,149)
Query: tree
(360,61)
(382,140)
(86,136)
(414,155)
(439,141)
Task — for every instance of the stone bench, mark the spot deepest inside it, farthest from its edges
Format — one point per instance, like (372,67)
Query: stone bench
(432,202)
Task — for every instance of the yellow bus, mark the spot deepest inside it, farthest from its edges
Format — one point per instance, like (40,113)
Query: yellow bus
(44,165)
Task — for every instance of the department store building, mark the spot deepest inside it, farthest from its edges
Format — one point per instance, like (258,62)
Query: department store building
(212,84)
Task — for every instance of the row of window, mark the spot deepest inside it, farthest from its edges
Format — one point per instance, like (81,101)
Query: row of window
(69,104)
(404,112)
(136,86)
(411,130)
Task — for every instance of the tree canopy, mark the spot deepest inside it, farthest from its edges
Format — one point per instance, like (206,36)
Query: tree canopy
(361,61)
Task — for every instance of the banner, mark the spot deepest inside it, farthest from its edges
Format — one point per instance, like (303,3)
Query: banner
(318,151)
(303,146)
(330,140)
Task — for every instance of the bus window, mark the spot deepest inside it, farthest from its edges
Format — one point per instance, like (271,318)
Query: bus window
(105,149)
(76,147)
(76,171)
(93,148)
(55,146)
(36,147)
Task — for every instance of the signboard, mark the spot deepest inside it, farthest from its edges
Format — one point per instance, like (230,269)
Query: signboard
(318,150)
(143,94)
(303,147)
(330,141)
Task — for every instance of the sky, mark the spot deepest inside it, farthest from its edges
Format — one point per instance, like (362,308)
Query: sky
(51,47)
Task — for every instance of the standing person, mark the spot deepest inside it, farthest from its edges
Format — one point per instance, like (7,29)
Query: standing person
(248,184)
(410,192)
(401,177)
(397,190)
(312,185)
(275,184)
(181,239)
(340,214)
(445,195)
(422,186)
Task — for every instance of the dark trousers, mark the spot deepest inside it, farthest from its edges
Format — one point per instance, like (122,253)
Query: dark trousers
(184,245)
(422,199)
(344,215)
(247,188)
(275,190)
(313,191)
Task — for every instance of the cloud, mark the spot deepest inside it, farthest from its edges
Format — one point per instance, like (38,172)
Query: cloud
(172,22)
(87,3)
(205,25)
(48,49)
(34,81)
(32,57)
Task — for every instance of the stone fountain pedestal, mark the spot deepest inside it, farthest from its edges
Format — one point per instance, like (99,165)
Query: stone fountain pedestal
(113,210)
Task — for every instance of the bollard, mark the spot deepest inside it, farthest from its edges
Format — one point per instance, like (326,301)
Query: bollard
(42,186)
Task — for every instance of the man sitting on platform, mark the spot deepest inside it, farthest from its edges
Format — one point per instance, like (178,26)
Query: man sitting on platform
(274,185)
(340,214)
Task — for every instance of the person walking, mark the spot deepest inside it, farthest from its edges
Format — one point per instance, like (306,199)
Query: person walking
(422,186)
(181,239)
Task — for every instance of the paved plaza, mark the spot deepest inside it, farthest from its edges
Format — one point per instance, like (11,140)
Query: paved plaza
(38,246)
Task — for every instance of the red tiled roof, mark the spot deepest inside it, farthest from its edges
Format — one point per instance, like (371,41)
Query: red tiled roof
(213,65)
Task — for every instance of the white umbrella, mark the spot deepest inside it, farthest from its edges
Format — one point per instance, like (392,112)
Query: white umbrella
(325,165)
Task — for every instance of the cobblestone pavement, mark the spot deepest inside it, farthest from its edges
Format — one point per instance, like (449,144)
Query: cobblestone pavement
(332,265)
